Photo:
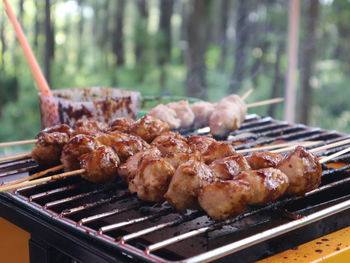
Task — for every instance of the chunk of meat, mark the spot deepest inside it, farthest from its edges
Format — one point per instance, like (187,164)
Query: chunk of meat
(129,147)
(77,146)
(268,184)
(171,143)
(200,143)
(202,111)
(225,199)
(228,115)
(183,112)
(89,127)
(48,148)
(100,165)
(149,128)
(226,168)
(177,158)
(184,187)
(123,124)
(152,178)
(166,115)
(259,160)
(303,170)
(218,150)
(128,169)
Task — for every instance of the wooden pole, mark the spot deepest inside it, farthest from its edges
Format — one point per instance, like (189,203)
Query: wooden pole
(292,47)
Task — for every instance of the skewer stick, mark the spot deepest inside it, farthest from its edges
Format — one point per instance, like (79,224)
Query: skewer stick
(41,180)
(36,175)
(247,94)
(264,102)
(328,146)
(4,144)
(33,63)
(334,155)
(289,146)
(15,157)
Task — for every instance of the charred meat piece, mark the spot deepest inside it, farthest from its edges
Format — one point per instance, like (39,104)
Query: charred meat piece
(171,142)
(166,115)
(225,199)
(128,169)
(210,149)
(129,146)
(228,115)
(226,168)
(260,160)
(152,178)
(122,124)
(202,111)
(184,187)
(268,184)
(149,128)
(47,150)
(303,170)
(177,158)
(100,165)
(218,150)
(183,112)
(77,146)
(89,127)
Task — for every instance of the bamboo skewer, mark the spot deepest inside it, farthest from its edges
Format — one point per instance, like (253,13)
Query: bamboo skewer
(36,175)
(288,145)
(328,146)
(247,94)
(334,155)
(4,144)
(318,149)
(41,180)
(264,102)
(15,157)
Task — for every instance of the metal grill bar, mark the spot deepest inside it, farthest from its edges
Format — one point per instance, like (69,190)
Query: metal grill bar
(52,192)
(73,198)
(109,228)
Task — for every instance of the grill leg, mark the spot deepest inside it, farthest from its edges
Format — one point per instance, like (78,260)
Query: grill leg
(40,251)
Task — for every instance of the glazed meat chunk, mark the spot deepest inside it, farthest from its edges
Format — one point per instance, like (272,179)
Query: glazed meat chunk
(184,187)
(259,160)
(152,178)
(167,115)
(268,184)
(149,128)
(48,148)
(122,124)
(303,170)
(77,146)
(100,165)
(183,112)
(226,168)
(225,199)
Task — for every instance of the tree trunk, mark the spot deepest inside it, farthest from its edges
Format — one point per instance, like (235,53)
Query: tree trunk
(224,15)
(240,50)
(36,26)
(308,60)
(196,35)
(3,41)
(118,40)
(49,43)
(141,30)
(80,46)
(277,82)
(166,12)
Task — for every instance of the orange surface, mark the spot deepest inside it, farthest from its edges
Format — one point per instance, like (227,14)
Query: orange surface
(334,247)
(13,243)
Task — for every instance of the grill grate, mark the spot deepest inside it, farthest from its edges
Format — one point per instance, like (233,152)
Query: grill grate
(157,233)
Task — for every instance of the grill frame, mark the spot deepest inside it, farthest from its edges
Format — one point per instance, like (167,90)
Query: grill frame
(17,200)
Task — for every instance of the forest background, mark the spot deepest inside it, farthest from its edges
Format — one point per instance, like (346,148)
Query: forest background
(196,48)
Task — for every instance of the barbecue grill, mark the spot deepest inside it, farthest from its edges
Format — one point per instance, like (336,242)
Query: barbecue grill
(74,220)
